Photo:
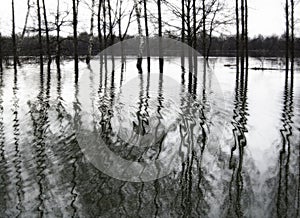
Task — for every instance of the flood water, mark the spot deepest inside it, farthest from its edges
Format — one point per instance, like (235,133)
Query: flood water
(237,141)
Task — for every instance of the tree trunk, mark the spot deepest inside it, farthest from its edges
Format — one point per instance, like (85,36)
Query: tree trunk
(99,30)
(188,17)
(292,37)
(242,36)
(287,37)
(182,22)
(194,25)
(110,23)
(47,33)
(159,18)
(58,47)
(237,35)
(88,58)
(204,28)
(75,39)
(99,25)
(104,24)
(14,35)
(40,35)
(161,60)
(246,34)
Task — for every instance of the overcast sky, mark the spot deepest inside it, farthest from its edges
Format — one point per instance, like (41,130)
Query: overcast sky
(266,17)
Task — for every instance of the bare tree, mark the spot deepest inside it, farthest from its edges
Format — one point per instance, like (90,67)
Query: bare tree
(91,36)
(60,21)
(14,35)
(75,38)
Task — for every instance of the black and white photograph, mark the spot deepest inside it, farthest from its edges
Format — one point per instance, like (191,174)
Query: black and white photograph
(150,108)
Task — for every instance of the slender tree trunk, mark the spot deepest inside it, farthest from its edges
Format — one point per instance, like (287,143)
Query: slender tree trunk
(104,24)
(161,60)
(246,34)
(40,35)
(182,36)
(88,58)
(159,18)
(99,31)
(182,21)
(204,28)
(237,35)
(14,35)
(47,33)
(58,46)
(1,63)
(110,23)
(242,54)
(287,37)
(292,37)
(99,25)
(188,17)
(75,39)
(194,25)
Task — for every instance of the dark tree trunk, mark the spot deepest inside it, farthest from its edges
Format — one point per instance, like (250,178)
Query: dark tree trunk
(159,18)
(110,23)
(242,54)
(14,35)
(40,35)
(182,21)
(58,46)
(204,28)
(182,36)
(246,34)
(99,25)
(104,24)
(188,17)
(161,60)
(287,37)
(47,33)
(194,25)
(292,37)
(237,20)
(99,30)
(75,39)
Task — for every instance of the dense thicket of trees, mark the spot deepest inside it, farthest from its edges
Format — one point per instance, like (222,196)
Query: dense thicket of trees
(273,46)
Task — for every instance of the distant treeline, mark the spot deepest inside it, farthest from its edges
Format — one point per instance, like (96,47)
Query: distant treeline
(273,46)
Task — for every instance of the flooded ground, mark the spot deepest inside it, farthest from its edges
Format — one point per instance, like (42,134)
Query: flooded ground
(236,141)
